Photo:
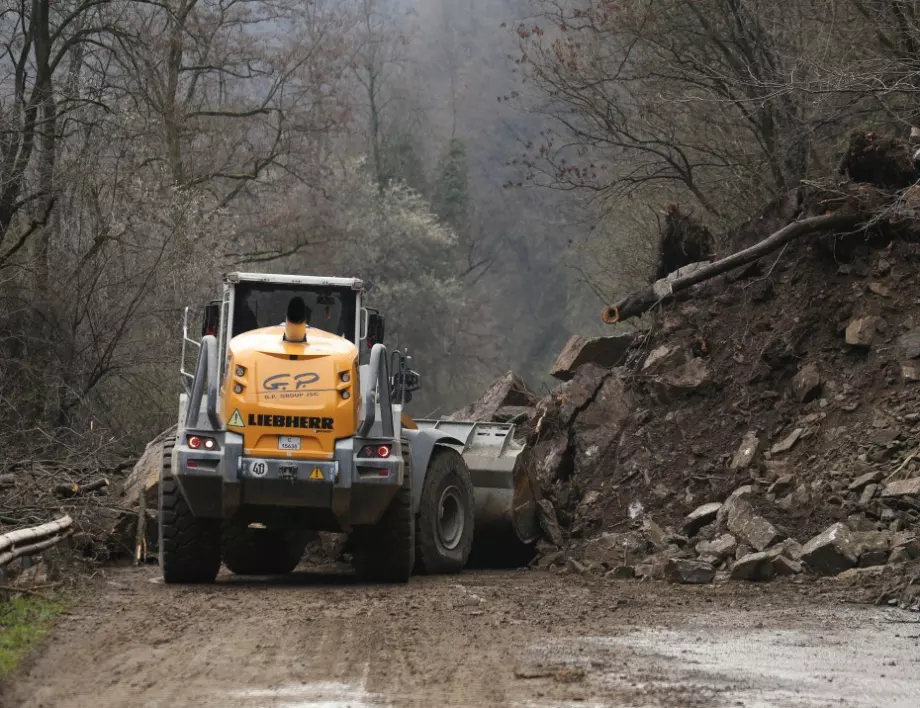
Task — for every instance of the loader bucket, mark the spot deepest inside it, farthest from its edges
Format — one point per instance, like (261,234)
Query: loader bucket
(505,497)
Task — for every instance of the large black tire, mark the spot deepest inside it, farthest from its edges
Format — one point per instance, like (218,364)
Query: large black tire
(385,552)
(189,546)
(261,551)
(444,530)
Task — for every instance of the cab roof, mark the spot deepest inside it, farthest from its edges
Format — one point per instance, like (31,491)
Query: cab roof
(351,283)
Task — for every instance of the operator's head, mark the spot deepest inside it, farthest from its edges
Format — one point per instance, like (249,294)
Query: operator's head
(298,316)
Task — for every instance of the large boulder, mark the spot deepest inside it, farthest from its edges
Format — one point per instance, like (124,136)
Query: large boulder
(753,566)
(570,418)
(613,549)
(509,391)
(747,525)
(549,524)
(664,358)
(909,344)
(597,428)
(689,571)
(832,551)
(806,385)
(700,517)
(902,488)
(692,377)
(607,352)
(723,547)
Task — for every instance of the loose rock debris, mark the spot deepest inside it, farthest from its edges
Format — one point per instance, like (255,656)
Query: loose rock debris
(764,425)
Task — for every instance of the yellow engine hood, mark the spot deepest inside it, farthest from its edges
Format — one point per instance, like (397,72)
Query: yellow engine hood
(303,390)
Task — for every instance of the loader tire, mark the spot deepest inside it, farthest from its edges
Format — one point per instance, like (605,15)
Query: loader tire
(258,551)
(189,546)
(385,552)
(444,525)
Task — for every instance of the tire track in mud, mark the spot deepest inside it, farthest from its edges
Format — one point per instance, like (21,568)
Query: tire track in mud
(478,640)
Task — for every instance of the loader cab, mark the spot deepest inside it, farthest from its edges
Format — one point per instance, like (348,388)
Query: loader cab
(254,300)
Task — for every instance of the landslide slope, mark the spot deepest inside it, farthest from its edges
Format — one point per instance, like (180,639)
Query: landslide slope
(798,374)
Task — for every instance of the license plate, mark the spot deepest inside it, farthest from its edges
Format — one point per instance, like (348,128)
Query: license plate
(287,471)
(287,442)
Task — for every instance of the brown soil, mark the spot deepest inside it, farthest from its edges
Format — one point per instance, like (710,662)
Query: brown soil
(483,639)
(753,330)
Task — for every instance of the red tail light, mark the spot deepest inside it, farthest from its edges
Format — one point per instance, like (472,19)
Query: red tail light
(376,451)
(196,442)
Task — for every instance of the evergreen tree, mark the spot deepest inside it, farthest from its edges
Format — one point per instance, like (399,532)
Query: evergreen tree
(451,195)
(402,162)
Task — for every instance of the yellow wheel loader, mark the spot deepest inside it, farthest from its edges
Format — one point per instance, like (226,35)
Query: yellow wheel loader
(293,422)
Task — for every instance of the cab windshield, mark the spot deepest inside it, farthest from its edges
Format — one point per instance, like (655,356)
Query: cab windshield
(265,304)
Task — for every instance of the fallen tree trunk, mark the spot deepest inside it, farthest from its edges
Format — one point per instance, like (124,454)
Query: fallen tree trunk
(663,290)
(24,542)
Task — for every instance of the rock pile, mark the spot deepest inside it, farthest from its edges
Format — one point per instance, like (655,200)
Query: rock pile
(765,425)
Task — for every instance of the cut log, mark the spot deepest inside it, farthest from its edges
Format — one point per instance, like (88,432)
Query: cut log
(23,542)
(66,491)
(140,550)
(146,473)
(663,290)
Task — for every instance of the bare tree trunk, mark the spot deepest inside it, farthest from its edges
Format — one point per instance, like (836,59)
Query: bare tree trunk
(663,290)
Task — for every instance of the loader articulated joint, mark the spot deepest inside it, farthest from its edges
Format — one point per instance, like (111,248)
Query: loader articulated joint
(376,384)
(205,374)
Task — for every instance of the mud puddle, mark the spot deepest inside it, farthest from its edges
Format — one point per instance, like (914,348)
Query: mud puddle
(842,657)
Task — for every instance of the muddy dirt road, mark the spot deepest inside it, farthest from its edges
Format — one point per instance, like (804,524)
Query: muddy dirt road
(481,639)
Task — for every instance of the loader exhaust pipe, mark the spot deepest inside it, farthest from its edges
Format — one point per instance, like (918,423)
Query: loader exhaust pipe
(295,325)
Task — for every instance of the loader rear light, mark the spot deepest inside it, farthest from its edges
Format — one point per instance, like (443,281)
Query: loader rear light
(375,451)
(197,442)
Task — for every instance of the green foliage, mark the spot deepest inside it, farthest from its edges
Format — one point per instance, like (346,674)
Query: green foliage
(451,199)
(23,623)
(402,162)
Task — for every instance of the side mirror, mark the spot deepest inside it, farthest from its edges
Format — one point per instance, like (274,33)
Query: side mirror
(375,328)
(211,320)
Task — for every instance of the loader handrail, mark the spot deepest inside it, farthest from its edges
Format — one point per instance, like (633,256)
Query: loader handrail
(206,370)
(377,383)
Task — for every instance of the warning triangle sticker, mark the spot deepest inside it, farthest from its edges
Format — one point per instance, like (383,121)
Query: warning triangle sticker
(236,420)
(317,473)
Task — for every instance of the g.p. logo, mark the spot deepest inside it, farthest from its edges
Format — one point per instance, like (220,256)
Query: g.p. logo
(287,382)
